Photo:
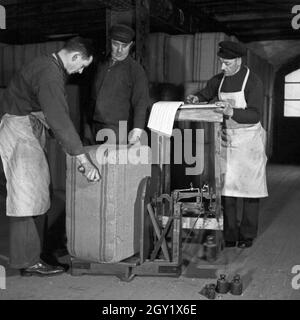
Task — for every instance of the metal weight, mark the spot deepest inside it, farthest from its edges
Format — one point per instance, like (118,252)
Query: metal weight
(209,291)
(210,248)
(223,285)
(236,287)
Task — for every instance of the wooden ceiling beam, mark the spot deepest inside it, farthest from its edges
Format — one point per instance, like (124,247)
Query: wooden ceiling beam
(262,25)
(270,31)
(271,34)
(269,37)
(259,4)
(241,7)
(252,16)
(57,19)
(26,10)
(212,3)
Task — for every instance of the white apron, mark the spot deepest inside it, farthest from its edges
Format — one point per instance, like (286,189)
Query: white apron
(25,166)
(243,157)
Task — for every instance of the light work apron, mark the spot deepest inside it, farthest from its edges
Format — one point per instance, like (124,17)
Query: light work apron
(22,140)
(243,157)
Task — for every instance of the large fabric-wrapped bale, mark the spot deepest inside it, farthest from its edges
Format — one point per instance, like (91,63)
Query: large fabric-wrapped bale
(206,62)
(103,218)
(156,56)
(13,57)
(1,93)
(50,47)
(191,87)
(31,51)
(179,58)
(8,64)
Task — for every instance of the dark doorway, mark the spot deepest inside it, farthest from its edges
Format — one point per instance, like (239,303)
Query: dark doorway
(286,147)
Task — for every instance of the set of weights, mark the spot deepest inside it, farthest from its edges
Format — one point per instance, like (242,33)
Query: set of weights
(235,287)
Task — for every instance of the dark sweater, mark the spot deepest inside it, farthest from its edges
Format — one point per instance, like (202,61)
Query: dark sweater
(121,93)
(40,86)
(253,94)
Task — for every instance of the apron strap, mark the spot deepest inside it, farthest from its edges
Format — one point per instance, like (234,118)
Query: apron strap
(244,83)
(219,90)
(245,79)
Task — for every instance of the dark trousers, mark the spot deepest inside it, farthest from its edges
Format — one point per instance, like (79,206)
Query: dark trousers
(31,237)
(25,236)
(55,225)
(26,239)
(120,138)
(248,226)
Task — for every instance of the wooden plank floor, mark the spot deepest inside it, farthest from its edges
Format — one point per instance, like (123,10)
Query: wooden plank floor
(265,267)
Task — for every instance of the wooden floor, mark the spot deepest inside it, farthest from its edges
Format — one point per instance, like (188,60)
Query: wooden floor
(266,267)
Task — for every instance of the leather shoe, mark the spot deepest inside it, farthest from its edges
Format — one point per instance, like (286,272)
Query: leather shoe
(51,260)
(42,269)
(245,243)
(230,244)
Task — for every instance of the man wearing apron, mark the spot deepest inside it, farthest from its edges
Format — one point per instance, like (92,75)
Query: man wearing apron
(239,94)
(35,99)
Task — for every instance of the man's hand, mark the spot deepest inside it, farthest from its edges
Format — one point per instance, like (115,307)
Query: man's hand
(192,99)
(88,169)
(225,108)
(135,135)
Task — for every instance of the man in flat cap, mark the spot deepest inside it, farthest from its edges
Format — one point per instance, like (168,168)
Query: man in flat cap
(239,94)
(120,91)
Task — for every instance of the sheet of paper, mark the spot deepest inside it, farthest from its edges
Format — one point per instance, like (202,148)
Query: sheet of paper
(162,117)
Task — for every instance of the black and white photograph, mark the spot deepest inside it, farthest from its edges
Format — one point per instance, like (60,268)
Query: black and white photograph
(149,154)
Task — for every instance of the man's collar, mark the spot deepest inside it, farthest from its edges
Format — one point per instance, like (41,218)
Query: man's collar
(114,62)
(57,58)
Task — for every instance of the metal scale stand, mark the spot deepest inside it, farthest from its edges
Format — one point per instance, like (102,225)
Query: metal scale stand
(170,215)
(167,216)
(188,209)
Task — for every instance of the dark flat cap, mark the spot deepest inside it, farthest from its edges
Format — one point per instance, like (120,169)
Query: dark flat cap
(231,50)
(122,32)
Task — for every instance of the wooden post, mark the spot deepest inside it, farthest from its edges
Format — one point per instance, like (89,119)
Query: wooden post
(142,13)
(217,163)
(176,236)
(108,25)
